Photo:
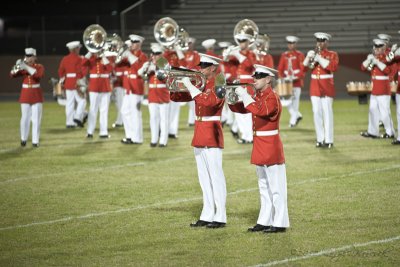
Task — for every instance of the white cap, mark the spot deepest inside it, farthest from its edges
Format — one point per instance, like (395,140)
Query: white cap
(292,39)
(384,36)
(156,48)
(243,36)
(322,35)
(209,59)
(264,69)
(191,40)
(136,38)
(208,43)
(73,44)
(128,42)
(379,42)
(30,51)
(224,44)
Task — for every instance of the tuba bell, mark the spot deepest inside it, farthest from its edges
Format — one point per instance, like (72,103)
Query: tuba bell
(168,33)
(94,38)
(246,26)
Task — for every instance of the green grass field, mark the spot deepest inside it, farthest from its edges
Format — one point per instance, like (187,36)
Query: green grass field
(79,202)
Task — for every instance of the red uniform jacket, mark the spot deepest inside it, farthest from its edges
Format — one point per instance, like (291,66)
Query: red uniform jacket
(72,69)
(206,133)
(229,68)
(31,93)
(192,59)
(99,75)
(265,60)
(266,112)
(297,68)
(173,59)
(320,85)
(118,71)
(396,67)
(245,69)
(380,79)
(158,92)
(134,81)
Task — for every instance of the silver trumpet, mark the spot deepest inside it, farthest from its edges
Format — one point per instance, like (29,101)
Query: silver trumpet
(371,63)
(173,76)
(18,66)
(317,51)
(227,90)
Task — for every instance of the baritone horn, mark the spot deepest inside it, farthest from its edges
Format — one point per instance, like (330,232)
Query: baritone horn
(94,38)
(173,76)
(168,33)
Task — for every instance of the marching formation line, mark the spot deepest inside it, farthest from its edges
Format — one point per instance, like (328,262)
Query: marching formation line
(171,202)
(328,251)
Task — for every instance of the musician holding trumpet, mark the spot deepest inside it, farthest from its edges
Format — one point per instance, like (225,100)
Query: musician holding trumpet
(208,142)
(31,97)
(265,109)
(323,63)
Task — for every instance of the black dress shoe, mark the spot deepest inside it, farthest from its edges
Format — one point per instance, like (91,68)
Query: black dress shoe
(395,142)
(173,136)
(368,135)
(126,141)
(298,120)
(292,125)
(319,144)
(105,136)
(235,134)
(258,228)
(199,223)
(153,144)
(328,145)
(89,136)
(23,143)
(71,126)
(190,124)
(35,145)
(386,136)
(162,145)
(116,125)
(79,123)
(85,117)
(274,229)
(136,143)
(216,225)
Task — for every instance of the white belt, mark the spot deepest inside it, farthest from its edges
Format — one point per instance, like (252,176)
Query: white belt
(208,118)
(132,76)
(293,71)
(380,78)
(99,76)
(70,75)
(398,73)
(160,85)
(245,77)
(30,85)
(322,76)
(265,133)
(119,73)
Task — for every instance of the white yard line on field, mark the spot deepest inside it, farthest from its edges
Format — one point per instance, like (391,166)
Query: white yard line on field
(328,251)
(98,214)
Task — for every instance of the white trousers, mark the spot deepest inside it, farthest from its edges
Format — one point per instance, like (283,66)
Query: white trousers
(379,109)
(119,93)
(323,118)
(398,115)
(98,102)
(212,182)
(192,112)
(31,113)
(273,196)
(293,107)
(159,123)
(245,126)
(71,113)
(132,117)
(174,108)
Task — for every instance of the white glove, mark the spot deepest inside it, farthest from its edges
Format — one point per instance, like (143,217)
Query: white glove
(311,54)
(366,63)
(390,56)
(105,60)
(246,98)
(322,61)
(191,88)
(143,68)
(131,58)
(61,81)
(225,54)
(29,69)
(88,55)
(18,62)
(381,65)
(179,52)
(236,53)
(375,61)
(370,57)
(397,52)
(394,48)
(306,61)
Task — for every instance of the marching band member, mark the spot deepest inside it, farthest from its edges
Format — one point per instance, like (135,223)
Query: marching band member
(323,63)
(262,55)
(99,92)
(228,68)
(396,67)
(209,46)
(119,91)
(268,156)
(158,97)
(175,58)
(379,106)
(70,72)
(291,68)
(131,109)
(244,73)
(31,97)
(192,59)
(208,143)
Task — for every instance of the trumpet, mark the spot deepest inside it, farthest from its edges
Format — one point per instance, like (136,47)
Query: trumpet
(227,91)
(18,66)
(317,50)
(173,76)
(371,63)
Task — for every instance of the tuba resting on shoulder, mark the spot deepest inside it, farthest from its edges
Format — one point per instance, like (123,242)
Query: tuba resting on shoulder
(168,33)
(94,38)
(246,26)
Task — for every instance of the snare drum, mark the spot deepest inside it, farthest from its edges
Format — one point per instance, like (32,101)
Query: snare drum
(284,88)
